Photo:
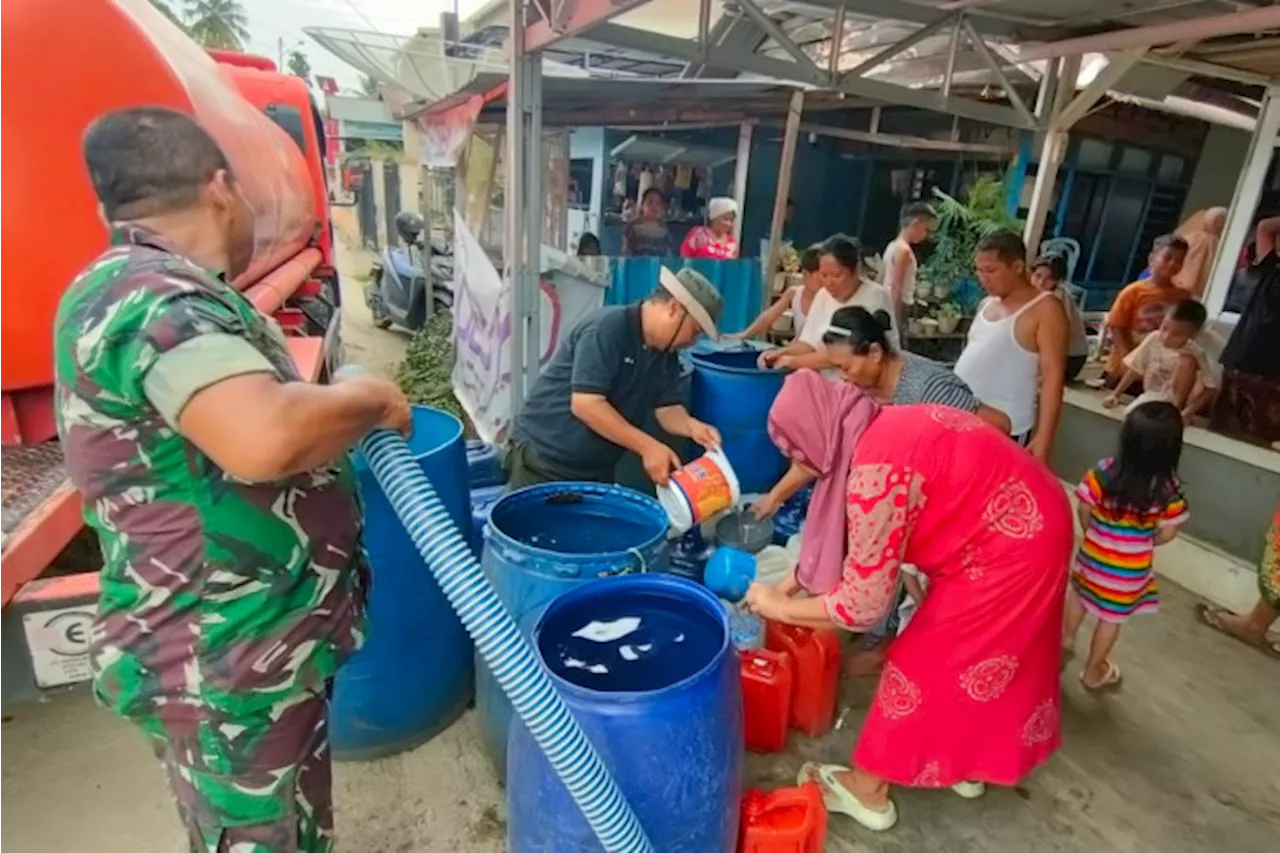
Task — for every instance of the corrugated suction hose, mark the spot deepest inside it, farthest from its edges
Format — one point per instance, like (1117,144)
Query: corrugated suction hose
(509,656)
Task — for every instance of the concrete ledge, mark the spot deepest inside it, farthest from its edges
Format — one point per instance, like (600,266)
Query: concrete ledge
(1199,568)
(1232,487)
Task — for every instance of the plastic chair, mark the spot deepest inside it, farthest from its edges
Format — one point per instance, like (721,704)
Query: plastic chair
(1065,246)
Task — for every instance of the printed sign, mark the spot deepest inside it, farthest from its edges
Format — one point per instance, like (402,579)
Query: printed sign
(482,327)
(58,641)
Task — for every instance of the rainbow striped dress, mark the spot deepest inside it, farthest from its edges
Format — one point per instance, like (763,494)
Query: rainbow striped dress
(1113,575)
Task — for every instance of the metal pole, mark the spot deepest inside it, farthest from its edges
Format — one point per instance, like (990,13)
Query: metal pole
(535,212)
(837,44)
(1244,201)
(789,138)
(740,167)
(1049,102)
(953,48)
(704,30)
(513,253)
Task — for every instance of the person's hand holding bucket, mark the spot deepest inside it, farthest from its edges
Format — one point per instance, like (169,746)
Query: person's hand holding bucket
(659,461)
(704,434)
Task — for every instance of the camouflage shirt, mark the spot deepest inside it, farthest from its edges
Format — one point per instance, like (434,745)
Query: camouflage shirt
(216,593)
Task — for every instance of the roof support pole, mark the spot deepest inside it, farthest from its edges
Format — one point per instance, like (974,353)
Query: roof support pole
(790,136)
(804,64)
(1118,65)
(994,64)
(1061,83)
(523,174)
(740,169)
(837,45)
(953,48)
(1244,201)
(896,48)
(1194,29)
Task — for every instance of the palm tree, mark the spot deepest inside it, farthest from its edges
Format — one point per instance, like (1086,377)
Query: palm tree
(218,23)
(164,9)
(299,66)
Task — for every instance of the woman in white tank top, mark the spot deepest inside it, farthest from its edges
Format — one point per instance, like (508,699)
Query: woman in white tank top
(1000,372)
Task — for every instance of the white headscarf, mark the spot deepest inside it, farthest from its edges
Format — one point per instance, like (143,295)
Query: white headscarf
(720,206)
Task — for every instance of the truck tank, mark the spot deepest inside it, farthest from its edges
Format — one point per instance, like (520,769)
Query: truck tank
(64,67)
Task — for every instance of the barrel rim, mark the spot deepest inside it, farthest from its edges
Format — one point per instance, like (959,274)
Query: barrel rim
(501,538)
(454,439)
(704,360)
(704,596)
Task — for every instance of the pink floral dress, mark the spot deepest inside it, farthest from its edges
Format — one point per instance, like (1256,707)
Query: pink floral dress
(971,691)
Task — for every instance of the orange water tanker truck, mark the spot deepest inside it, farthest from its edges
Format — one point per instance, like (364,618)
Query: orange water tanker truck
(63,65)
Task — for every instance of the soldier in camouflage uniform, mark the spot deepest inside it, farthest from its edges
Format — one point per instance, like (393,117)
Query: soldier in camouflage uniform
(216,481)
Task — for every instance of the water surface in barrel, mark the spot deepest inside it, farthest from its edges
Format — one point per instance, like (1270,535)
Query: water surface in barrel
(629,643)
(577,524)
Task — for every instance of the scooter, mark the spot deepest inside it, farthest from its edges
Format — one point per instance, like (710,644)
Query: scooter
(399,291)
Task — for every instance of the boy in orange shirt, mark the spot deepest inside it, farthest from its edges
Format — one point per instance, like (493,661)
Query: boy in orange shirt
(1140,307)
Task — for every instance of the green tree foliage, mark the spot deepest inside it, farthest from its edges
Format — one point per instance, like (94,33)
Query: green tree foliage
(164,9)
(218,23)
(299,66)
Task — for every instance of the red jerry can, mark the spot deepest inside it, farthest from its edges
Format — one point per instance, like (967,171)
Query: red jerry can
(815,656)
(788,820)
(767,684)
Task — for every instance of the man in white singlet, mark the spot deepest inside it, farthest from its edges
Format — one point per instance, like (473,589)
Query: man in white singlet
(918,220)
(1016,356)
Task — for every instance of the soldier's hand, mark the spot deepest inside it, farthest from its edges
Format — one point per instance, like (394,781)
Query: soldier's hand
(396,412)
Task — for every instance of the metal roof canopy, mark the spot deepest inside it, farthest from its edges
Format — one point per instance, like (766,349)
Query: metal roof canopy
(913,52)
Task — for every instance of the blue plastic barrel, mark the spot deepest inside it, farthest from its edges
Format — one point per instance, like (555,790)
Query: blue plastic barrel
(662,705)
(542,541)
(482,500)
(733,395)
(414,675)
(484,465)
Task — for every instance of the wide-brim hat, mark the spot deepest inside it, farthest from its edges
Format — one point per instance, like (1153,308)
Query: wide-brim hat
(697,294)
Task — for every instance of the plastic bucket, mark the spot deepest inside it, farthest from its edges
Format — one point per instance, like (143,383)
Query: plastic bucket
(699,490)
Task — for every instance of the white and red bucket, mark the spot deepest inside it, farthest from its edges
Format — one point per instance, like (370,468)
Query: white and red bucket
(700,490)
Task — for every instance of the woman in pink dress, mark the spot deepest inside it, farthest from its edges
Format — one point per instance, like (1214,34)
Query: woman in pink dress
(969,692)
(713,241)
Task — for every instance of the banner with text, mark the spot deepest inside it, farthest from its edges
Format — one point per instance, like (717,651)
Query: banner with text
(482,324)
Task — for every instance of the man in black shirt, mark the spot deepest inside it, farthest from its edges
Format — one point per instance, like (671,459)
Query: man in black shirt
(617,365)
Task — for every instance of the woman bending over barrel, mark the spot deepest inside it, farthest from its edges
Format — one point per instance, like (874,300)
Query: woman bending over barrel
(990,528)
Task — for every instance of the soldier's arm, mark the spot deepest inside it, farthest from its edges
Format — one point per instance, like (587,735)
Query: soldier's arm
(259,429)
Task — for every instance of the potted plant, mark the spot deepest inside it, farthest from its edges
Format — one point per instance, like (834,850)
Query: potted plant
(948,317)
(961,226)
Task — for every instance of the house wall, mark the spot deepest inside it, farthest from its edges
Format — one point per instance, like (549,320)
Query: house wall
(1217,170)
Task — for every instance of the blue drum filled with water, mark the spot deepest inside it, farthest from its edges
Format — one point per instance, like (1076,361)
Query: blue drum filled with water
(645,665)
(542,541)
(414,675)
(733,395)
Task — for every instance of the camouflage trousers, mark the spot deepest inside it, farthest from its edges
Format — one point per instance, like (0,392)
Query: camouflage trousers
(256,783)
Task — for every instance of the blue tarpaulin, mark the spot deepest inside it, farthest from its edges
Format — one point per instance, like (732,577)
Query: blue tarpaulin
(739,283)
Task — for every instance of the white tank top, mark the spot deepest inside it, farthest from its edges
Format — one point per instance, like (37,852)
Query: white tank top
(999,371)
(908,262)
(797,309)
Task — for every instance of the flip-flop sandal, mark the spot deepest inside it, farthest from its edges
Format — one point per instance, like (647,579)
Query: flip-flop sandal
(1211,615)
(838,798)
(1110,682)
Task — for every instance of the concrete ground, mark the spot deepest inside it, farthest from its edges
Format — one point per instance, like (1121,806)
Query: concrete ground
(1183,759)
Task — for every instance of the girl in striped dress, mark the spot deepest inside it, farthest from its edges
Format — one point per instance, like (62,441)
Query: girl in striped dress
(1129,504)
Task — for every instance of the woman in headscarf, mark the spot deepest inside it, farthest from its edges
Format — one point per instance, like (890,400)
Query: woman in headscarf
(713,241)
(969,692)
(1202,231)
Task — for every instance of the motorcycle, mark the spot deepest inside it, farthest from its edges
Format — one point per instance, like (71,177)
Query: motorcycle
(403,290)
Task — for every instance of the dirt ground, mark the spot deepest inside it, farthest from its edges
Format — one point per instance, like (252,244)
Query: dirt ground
(1182,760)
(378,350)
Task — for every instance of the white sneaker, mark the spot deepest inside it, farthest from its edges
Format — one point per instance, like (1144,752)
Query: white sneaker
(970,790)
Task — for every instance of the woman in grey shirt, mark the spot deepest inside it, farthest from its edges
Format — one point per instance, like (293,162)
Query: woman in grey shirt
(858,345)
